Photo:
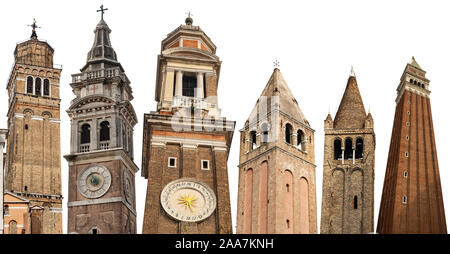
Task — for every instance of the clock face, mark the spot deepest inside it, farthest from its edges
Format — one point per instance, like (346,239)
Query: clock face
(188,200)
(94,181)
(128,187)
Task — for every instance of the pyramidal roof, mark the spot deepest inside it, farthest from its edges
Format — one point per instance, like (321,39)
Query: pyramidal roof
(414,63)
(351,113)
(277,86)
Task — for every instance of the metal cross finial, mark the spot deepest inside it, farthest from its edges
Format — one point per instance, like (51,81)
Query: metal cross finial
(276,64)
(102,10)
(189,14)
(34,26)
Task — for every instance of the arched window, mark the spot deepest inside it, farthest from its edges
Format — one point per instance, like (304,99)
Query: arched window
(300,139)
(104,131)
(189,85)
(337,149)
(265,132)
(288,133)
(85,134)
(359,148)
(253,139)
(13,227)
(355,202)
(348,152)
(46,87)
(415,82)
(410,81)
(37,86)
(29,84)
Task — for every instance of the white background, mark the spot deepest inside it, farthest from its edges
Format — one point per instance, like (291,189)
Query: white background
(316,42)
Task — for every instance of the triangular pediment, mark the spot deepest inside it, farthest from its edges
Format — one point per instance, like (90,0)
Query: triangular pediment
(10,197)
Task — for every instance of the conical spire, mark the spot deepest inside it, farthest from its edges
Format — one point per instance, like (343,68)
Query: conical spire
(351,113)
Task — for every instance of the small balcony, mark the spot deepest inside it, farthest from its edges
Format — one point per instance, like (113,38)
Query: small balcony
(104,145)
(102,73)
(85,148)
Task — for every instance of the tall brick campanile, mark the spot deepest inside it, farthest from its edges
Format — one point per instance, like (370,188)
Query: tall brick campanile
(277,181)
(101,166)
(33,163)
(412,198)
(186,142)
(348,167)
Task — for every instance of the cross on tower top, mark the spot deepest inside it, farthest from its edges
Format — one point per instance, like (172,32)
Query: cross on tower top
(189,19)
(276,63)
(102,10)
(34,26)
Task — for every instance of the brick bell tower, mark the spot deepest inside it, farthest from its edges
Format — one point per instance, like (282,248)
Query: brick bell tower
(348,168)
(186,142)
(101,166)
(277,181)
(412,197)
(33,163)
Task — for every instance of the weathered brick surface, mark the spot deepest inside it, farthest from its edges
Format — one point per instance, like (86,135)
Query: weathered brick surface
(33,166)
(345,179)
(412,133)
(280,210)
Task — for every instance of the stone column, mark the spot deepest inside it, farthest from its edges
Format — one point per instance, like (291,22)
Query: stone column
(179,84)
(353,156)
(94,138)
(199,85)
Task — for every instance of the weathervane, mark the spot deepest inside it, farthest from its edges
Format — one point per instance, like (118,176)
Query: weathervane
(276,64)
(102,10)
(34,26)
(352,72)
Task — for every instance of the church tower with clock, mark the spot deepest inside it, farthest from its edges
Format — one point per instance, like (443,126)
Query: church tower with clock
(101,166)
(186,140)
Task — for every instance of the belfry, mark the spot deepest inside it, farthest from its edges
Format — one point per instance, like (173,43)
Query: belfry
(277,192)
(348,167)
(186,140)
(412,197)
(101,166)
(33,163)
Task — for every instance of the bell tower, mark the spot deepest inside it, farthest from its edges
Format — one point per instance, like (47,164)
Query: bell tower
(412,197)
(186,141)
(101,166)
(33,163)
(348,168)
(277,179)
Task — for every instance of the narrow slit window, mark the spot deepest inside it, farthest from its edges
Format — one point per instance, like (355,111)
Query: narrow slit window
(355,202)
(172,162)
(404,200)
(205,164)
(405,174)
